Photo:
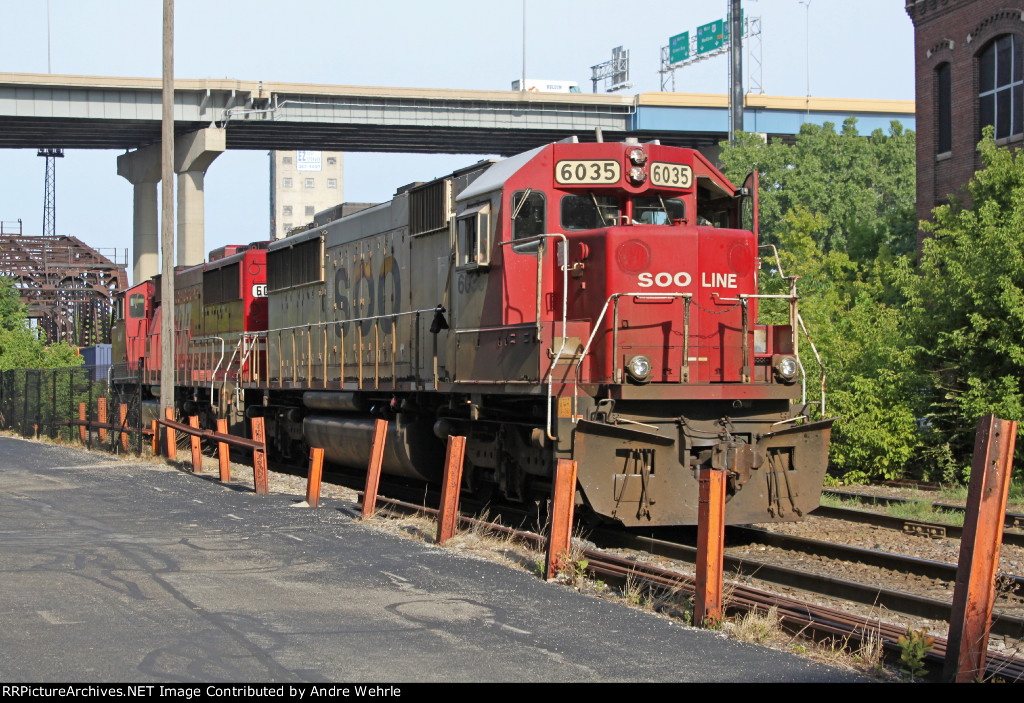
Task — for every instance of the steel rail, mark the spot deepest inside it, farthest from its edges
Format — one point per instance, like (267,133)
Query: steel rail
(797,616)
(865,594)
(1012,520)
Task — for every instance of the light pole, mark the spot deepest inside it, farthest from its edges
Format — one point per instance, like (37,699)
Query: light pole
(807,45)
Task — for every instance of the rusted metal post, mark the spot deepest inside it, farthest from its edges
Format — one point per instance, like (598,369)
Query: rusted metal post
(197,447)
(259,458)
(172,439)
(316,469)
(448,515)
(707,608)
(101,414)
(123,413)
(224,452)
(562,507)
(81,419)
(976,572)
(156,438)
(380,433)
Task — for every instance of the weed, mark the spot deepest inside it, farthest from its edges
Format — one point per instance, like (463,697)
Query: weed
(633,591)
(758,626)
(913,647)
(573,570)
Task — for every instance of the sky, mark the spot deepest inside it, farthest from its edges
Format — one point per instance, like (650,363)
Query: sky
(860,49)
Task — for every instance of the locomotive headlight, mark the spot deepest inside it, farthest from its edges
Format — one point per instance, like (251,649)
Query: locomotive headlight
(637,175)
(786,367)
(637,156)
(639,369)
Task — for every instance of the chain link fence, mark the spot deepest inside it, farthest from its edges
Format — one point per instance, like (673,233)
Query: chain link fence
(75,404)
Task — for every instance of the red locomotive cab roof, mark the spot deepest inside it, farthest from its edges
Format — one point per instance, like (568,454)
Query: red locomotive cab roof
(614,169)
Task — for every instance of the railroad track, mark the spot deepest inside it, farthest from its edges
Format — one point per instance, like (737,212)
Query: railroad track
(796,616)
(1013,521)
(910,604)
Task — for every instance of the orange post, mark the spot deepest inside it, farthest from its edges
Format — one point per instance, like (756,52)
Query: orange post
(224,452)
(81,418)
(316,469)
(172,439)
(197,448)
(380,433)
(448,515)
(978,565)
(101,413)
(156,438)
(124,425)
(707,608)
(562,506)
(259,458)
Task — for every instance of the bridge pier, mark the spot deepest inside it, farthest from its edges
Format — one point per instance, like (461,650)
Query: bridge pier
(142,169)
(193,154)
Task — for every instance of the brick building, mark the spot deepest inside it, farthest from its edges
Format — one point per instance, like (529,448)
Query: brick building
(968,57)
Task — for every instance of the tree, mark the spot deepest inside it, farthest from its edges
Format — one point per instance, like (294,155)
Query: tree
(20,348)
(966,308)
(840,207)
(862,187)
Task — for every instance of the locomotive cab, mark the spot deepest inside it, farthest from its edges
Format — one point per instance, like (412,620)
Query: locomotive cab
(638,265)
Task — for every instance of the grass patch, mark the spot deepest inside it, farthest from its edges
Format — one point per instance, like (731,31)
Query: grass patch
(923,511)
(833,501)
(1015,496)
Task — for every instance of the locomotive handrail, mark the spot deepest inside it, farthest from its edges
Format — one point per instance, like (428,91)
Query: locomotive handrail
(565,302)
(358,320)
(795,321)
(615,337)
(352,319)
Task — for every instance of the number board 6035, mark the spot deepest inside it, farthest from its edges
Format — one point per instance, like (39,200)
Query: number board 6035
(671,175)
(572,172)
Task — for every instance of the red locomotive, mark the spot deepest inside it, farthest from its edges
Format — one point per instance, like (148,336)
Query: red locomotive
(592,301)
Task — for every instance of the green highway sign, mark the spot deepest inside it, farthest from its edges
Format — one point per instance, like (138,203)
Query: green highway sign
(725,24)
(679,48)
(710,36)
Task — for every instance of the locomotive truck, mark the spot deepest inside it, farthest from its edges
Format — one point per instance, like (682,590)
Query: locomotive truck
(589,301)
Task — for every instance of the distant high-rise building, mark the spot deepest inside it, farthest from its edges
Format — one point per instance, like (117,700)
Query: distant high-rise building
(301,184)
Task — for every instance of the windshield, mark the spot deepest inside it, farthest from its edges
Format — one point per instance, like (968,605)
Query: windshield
(658,210)
(589,211)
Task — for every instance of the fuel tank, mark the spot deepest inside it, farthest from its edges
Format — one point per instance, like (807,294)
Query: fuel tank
(410,449)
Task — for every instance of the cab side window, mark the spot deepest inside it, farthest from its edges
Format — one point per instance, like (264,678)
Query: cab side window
(528,214)
(137,306)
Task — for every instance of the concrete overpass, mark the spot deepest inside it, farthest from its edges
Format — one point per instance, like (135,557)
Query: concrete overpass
(91,112)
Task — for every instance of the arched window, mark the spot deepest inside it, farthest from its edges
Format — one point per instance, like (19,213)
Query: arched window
(944,109)
(1001,86)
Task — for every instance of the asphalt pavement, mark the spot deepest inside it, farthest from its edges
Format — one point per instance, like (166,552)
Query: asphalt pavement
(129,571)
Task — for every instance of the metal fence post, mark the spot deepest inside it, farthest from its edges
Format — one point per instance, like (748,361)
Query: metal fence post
(978,565)
(89,407)
(380,433)
(223,452)
(24,412)
(448,515)
(562,507)
(197,450)
(71,404)
(53,406)
(259,458)
(39,402)
(707,607)
(316,469)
